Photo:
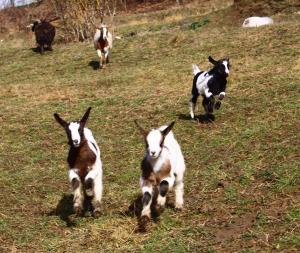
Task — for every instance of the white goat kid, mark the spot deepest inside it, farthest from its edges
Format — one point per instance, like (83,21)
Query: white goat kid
(85,166)
(163,166)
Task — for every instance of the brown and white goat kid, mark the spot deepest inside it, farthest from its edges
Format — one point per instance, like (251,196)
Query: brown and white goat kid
(85,166)
(103,43)
(163,166)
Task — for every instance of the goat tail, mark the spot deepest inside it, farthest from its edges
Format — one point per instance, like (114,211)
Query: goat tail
(196,69)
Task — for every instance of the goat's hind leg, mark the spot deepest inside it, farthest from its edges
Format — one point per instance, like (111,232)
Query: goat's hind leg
(98,189)
(165,185)
(179,195)
(99,52)
(192,104)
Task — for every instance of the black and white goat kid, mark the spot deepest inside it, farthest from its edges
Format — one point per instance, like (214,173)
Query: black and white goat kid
(85,166)
(209,84)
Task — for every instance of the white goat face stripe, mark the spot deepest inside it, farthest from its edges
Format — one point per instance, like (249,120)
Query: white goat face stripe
(225,63)
(74,129)
(104,31)
(154,140)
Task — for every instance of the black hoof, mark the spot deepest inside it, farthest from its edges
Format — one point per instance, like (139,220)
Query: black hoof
(218,105)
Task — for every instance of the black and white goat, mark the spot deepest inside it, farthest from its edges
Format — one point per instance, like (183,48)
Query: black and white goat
(44,34)
(85,166)
(209,84)
(163,167)
(103,43)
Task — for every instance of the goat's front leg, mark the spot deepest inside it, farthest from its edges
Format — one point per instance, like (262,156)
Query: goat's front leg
(105,57)
(93,186)
(75,182)
(218,103)
(147,190)
(99,52)
(165,185)
(41,49)
(208,104)
(207,93)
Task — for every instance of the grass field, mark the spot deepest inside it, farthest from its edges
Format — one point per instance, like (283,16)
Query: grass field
(242,184)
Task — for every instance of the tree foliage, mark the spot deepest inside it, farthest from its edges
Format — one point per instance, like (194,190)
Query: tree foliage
(79,18)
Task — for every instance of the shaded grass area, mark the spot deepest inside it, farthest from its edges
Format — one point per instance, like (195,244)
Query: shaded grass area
(242,179)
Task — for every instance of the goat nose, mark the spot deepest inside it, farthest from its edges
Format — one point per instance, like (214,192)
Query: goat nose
(76,141)
(152,152)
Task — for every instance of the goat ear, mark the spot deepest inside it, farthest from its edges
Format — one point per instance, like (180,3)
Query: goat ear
(62,122)
(211,60)
(85,116)
(142,130)
(168,129)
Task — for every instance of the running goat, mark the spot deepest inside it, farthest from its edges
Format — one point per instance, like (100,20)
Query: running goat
(163,167)
(44,34)
(85,166)
(209,84)
(103,43)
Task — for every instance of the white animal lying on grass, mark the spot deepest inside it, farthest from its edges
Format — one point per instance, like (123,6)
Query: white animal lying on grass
(257,21)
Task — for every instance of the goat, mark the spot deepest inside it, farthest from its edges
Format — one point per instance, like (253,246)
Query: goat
(102,43)
(85,166)
(209,84)
(163,166)
(257,21)
(44,34)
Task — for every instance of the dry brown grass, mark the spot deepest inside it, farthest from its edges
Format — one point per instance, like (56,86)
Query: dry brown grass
(242,177)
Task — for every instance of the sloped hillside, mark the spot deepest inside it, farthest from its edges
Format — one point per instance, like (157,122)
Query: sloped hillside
(242,181)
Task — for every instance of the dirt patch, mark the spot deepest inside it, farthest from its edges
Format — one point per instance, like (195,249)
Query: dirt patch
(234,228)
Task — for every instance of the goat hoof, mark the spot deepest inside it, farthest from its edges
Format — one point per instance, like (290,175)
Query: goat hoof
(218,105)
(143,222)
(178,208)
(160,208)
(97,212)
(78,211)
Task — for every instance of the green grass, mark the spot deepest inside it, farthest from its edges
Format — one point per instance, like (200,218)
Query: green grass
(242,179)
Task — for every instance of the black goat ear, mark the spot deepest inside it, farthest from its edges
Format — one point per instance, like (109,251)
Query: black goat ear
(211,60)
(85,116)
(168,129)
(62,122)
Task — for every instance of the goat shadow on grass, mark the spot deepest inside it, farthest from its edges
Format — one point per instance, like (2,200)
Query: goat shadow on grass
(38,51)
(64,209)
(94,64)
(135,210)
(202,118)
